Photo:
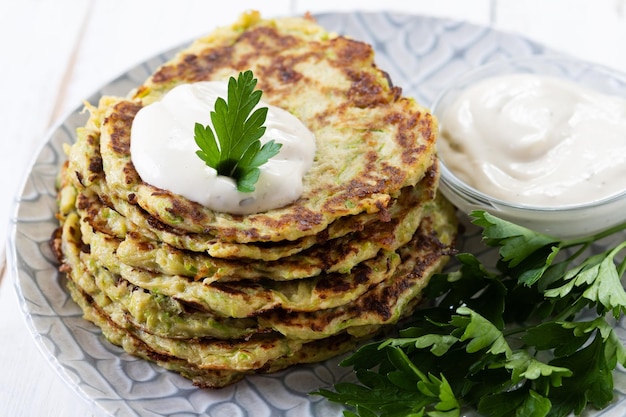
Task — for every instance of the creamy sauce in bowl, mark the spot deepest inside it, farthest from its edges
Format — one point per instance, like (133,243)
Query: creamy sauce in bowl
(536,140)
(163,151)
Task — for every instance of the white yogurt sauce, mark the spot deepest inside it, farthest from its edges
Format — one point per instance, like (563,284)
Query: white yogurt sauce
(536,140)
(163,151)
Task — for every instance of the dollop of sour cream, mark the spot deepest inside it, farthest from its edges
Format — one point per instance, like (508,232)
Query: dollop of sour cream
(536,140)
(163,151)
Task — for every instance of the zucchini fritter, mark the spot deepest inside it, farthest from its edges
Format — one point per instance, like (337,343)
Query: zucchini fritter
(215,296)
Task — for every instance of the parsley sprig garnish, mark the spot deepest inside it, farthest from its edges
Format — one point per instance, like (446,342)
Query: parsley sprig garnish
(532,336)
(237,152)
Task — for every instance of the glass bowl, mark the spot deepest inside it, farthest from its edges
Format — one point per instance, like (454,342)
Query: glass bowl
(568,221)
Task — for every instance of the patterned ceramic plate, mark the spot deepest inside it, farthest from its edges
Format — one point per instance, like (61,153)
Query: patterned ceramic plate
(421,54)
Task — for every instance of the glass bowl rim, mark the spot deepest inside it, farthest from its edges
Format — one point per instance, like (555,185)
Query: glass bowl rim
(464,190)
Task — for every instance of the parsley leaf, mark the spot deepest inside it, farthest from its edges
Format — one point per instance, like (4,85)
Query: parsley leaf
(237,152)
(529,336)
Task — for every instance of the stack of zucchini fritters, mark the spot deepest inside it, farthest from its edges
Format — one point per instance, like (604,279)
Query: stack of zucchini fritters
(216,296)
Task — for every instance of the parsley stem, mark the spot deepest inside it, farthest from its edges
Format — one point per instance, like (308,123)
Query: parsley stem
(574,308)
(621,268)
(562,316)
(590,239)
(578,252)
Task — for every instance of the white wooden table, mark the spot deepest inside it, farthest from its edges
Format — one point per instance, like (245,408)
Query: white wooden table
(54,53)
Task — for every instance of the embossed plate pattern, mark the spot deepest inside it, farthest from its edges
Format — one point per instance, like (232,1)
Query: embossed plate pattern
(420,53)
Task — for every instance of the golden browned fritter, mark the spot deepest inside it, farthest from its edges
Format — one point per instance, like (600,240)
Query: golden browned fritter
(215,296)
(371,141)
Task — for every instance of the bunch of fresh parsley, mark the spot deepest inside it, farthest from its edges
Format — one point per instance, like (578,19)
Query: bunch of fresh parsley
(234,150)
(532,336)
